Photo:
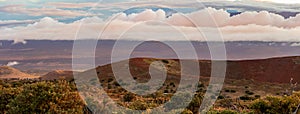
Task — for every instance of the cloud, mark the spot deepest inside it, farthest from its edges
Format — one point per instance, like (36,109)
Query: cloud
(51,29)
(15,22)
(222,19)
(17,41)
(21,9)
(71,5)
(295,44)
(240,5)
(153,25)
(283,1)
(13,63)
(146,15)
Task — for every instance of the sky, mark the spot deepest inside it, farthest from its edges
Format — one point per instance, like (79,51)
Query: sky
(283,1)
(233,20)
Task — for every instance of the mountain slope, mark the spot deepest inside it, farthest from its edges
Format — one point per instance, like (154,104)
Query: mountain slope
(278,70)
(9,73)
(58,74)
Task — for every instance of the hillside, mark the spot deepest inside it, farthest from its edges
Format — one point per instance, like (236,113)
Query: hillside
(278,70)
(246,80)
(12,73)
(58,74)
(267,70)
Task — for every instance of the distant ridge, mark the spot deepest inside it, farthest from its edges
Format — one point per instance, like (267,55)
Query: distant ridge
(274,70)
(7,72)
(58,74)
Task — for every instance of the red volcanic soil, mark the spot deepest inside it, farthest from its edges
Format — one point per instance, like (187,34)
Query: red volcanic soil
(267,70)
(138,68)
(275,70)
(279,70)
(58,74)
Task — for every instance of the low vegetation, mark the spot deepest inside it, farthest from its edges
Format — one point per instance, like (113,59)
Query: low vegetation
(62,97)
(39,97)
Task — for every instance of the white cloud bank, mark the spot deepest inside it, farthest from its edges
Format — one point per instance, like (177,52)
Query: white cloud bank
(153,25)
(295,44)
(15,22)
(13,63)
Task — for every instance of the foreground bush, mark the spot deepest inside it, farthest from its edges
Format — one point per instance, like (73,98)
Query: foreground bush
(6,96)
(223,112)
(46,97)
(62,97)
(276,105)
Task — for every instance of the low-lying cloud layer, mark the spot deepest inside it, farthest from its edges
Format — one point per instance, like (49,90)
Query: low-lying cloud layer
(12,63)
(202,25)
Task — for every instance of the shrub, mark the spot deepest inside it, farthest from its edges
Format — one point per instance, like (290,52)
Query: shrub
(221,97)
(200,85)
(186,111)
(138,105)
(232,91)
(195,103)
(227,90)
(165,61)
(246,97)
(228,112)
(222,112)
(260,106)
(257,96)
(110,80)
(172,84)
(47,97)
(128,97)
(249,92)
(6,96)
(272,104)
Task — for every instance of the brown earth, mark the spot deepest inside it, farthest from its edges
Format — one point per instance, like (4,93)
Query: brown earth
(262,77)
(7,72)
(58,74)
(267,70)
(274,70)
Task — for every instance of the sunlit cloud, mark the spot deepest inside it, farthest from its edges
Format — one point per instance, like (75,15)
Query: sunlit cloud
(12,63)
(283,1)
(295,44)
(154,25)
(254,20)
